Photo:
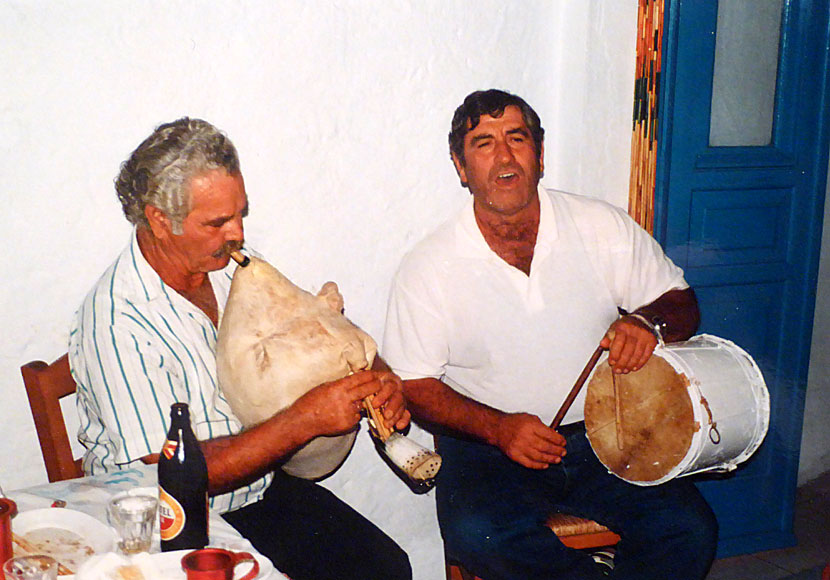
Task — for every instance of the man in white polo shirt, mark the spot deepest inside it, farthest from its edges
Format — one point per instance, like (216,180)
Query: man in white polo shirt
(145,337)
(490,321)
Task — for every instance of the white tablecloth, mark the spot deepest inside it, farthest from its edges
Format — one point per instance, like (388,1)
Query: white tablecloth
(90,495)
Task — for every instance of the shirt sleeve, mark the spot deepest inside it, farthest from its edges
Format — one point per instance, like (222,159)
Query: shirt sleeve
(635,267)
(415,340)
(127,379)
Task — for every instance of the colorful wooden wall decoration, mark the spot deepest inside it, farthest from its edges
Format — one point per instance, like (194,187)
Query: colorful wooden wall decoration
(646,93)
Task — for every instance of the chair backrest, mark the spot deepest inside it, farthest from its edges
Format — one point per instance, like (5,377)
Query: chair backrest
(46,385)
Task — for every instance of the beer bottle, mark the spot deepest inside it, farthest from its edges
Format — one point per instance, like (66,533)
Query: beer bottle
(183,486)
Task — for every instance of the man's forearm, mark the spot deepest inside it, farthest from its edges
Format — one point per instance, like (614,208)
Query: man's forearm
(433,401)
(235,460)
(678,310)
(331,408)
(261,446)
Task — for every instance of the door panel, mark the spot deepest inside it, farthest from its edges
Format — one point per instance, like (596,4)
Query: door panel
(738,226)
(745,224)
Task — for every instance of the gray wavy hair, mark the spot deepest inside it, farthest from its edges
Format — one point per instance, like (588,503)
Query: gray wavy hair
(159,171)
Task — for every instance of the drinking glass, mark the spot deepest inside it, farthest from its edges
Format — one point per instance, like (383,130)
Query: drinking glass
(133,516)
(32,567)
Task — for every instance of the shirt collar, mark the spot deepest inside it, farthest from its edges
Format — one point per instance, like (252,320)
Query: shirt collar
(471,242)
(151,283)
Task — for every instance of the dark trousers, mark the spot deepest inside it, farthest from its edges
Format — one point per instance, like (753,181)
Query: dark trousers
(492,512)
(309,534)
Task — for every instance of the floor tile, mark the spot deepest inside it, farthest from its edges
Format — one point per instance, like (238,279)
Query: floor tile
(745,568)
(812,530)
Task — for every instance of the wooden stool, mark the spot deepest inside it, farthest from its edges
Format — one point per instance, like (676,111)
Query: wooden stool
(574,532)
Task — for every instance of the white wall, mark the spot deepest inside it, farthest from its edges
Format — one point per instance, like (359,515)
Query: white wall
(340,112)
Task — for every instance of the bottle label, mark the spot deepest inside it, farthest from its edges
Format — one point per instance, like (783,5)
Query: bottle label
(171,516)
(169,448)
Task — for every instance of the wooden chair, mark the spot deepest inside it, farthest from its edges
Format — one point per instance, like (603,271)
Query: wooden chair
(574,532)
(46,385)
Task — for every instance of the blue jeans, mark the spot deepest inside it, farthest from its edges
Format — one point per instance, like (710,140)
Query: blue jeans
(492,514)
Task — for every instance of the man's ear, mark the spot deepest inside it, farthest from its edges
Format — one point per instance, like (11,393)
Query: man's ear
(542,160)
(459,168)
(159,222)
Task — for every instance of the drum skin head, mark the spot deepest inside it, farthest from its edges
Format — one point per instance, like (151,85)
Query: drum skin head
(657,420)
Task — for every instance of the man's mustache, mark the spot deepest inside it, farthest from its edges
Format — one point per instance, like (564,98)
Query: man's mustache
(227,248)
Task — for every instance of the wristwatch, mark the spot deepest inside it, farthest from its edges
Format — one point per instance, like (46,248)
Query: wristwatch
(659,326)
(656,323)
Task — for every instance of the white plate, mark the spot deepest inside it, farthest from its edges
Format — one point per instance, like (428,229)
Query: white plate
(98,536)
(163,566)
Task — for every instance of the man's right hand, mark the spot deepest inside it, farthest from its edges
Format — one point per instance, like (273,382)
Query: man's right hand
(528,441)
(334,408)
(328,409)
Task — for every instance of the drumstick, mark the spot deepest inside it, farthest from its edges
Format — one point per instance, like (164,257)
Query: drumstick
(557,420)
(29,548)
(617,410)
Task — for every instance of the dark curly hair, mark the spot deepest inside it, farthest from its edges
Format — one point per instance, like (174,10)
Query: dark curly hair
(492,103)
(159,171)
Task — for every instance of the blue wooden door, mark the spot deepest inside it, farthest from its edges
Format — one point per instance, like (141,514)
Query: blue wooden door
(742,214)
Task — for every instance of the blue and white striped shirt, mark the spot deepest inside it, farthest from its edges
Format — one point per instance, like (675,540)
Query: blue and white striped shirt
(137,346)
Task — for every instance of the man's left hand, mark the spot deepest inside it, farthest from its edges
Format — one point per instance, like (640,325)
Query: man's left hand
(390,400)
(629,343)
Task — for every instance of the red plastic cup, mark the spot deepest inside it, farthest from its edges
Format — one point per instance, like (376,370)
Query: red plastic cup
(8,509)
(217,564)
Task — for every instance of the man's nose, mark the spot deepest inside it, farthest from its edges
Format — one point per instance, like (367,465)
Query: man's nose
(504,153)
(234,230)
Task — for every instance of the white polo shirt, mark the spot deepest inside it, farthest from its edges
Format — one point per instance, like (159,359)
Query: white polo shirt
(459,313)
(136,346)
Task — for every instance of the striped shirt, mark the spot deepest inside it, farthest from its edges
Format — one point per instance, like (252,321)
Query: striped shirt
(136,346)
